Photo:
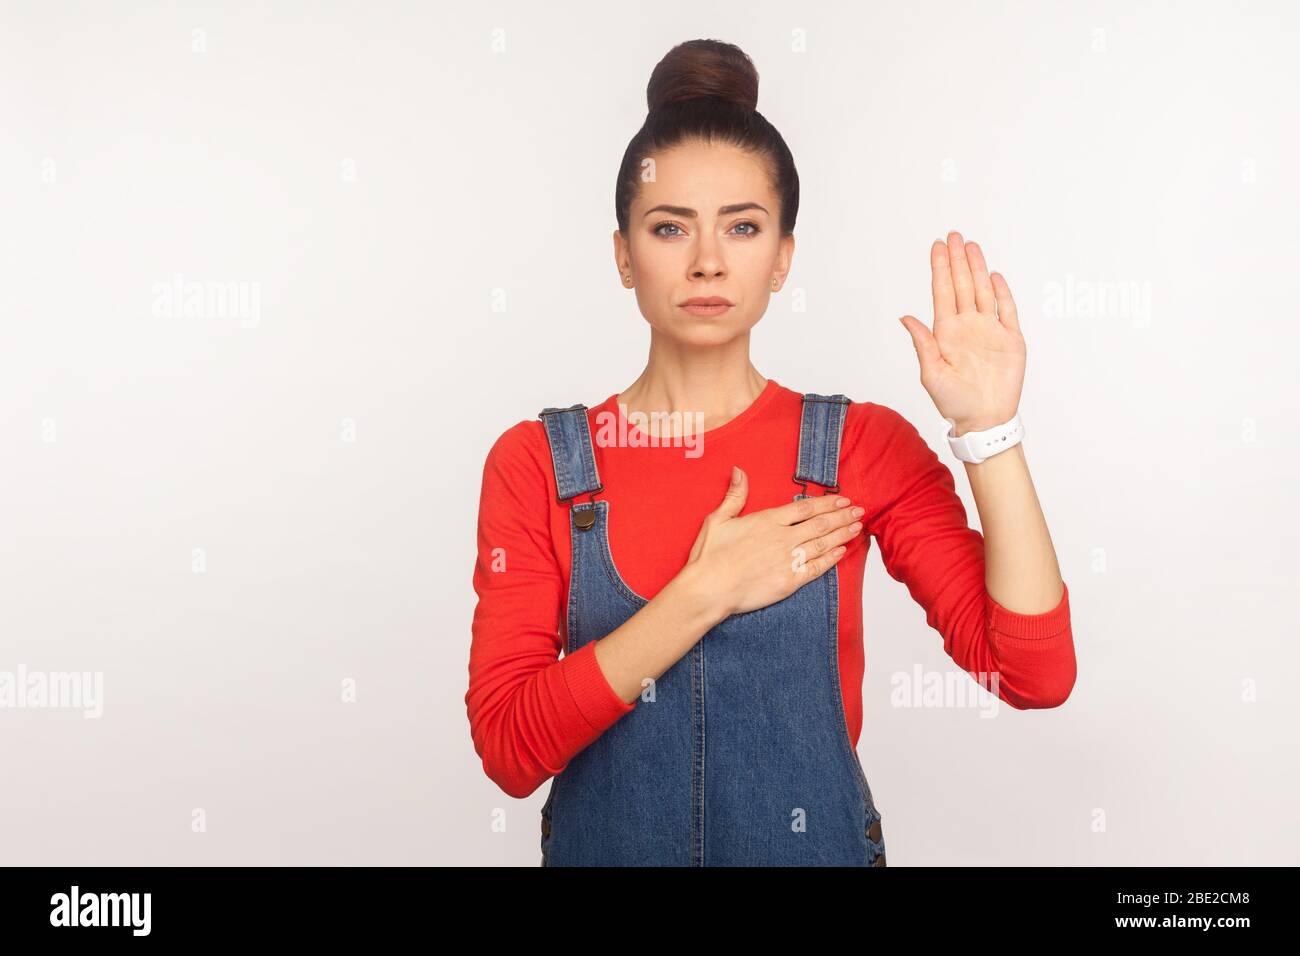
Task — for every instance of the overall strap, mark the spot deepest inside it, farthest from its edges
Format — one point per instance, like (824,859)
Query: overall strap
(820,431)
(572,453)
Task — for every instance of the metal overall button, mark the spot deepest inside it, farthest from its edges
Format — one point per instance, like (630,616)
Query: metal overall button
(803,485)
(585,518)
(875,836)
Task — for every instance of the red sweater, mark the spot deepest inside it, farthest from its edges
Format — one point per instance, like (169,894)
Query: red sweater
(530,711)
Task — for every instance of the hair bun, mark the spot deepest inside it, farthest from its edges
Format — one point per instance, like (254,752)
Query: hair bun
(704,68)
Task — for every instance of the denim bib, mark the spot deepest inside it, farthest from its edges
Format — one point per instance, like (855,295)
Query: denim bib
(739,754)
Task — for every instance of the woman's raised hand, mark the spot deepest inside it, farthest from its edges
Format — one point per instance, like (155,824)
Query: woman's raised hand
(973,363)
(747,562)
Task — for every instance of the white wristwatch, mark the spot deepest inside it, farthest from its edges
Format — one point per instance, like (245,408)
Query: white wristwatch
(976,447)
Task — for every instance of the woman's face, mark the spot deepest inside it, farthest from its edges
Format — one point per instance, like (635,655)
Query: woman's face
(706,224)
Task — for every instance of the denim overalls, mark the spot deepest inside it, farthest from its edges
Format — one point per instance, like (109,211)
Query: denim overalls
(739,754)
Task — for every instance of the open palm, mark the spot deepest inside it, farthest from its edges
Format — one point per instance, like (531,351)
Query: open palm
(973,362)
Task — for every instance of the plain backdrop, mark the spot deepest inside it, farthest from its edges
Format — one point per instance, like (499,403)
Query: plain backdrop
(254,519)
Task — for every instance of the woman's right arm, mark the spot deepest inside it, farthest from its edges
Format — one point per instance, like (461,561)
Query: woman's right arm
(530,713)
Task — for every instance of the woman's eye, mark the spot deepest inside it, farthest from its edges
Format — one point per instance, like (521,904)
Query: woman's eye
(658,230)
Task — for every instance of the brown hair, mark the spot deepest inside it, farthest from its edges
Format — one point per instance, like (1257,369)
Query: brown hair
(707,90)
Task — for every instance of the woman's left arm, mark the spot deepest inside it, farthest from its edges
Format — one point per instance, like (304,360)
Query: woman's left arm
(973,367)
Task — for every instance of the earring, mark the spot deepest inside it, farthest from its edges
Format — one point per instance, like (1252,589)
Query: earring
(774,283)
(627,278)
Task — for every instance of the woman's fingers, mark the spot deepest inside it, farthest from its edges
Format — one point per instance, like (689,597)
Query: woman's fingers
(812,569)
(985,300)
(818,535)
(834,539)
(805,508)
(962,284)
(1006,305)
(928,353)
(945,300)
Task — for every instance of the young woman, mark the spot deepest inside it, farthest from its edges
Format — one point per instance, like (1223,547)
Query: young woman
(702,572)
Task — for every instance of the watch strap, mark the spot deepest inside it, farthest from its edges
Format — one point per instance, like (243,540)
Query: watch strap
(979,446)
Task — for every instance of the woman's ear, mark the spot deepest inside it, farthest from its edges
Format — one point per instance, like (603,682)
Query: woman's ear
(623,257)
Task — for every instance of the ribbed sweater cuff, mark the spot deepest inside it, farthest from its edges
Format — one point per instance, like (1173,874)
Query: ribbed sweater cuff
(1030,627)
(592,695)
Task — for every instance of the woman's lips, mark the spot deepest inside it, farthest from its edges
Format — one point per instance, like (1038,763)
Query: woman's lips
(714,309)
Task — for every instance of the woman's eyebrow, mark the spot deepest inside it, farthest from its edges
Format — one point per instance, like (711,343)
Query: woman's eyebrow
(687,213)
